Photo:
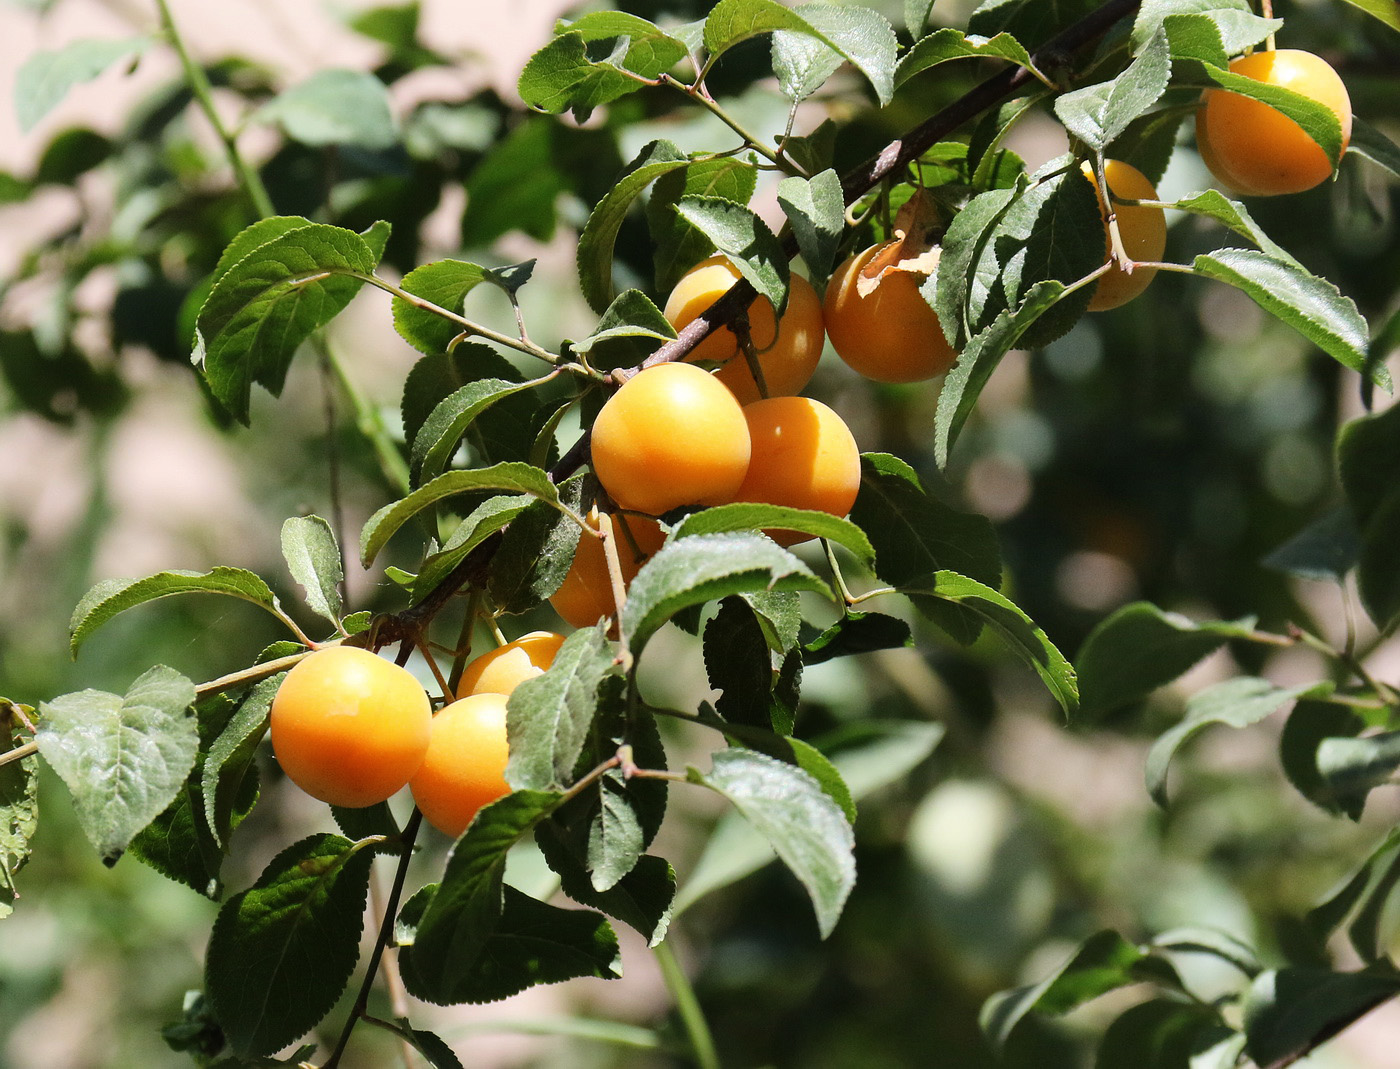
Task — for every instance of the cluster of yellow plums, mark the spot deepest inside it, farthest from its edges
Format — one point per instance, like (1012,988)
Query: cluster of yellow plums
(352,729)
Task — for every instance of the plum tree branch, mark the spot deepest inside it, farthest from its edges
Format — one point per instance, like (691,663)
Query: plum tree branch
(890,160)
(895,156)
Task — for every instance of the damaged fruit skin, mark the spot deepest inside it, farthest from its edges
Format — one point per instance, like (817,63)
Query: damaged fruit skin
(888,332)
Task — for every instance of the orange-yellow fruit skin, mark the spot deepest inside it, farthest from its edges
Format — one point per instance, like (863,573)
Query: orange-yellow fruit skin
(349,727)
(502,669)
(465,766)
(787,360)
(890,334)
(804,456)
(1258,151)
(1143,229)
(585,596)
(672,435)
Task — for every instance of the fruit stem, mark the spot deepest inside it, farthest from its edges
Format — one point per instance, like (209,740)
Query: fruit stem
(254,674)
(423,648)
(386,924)
(607,534)
(836,574)
(470,328)
(697,94)
(203,92)
(19,753)
(697,1029)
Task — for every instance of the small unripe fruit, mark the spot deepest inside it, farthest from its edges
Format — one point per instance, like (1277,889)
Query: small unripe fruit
(349,727)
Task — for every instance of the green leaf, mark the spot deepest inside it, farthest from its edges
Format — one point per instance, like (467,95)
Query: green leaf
(739,664)
(869,43)
(536,552)
(1383,10)
(1362,899)
(1350,767)
(265,305)
(650,51)
(1103,962)
(1316,119)
(1016,242)
(1213,204)
(549,716)
(1309,725)
(1366,448)
(964,382)
(1369,143)
(230,758)
(1099,113)
(803,61)
(751,516)
(113,596)
(949,44)
(1310,305)
(857,632)
(124,759)
(916,536)
(1152,14)
(630,330)
(640,898)
(599,235)
(282,951)
(1162,1033)
(463,911)
(677,244)
(959,282)
(1027,640)
(514,477)
(313,558)
(1139,648)
(444,283)
(1325,550)
(745,239)
(19,808)
(335,107)
(1236,702)
(886,754)
(441,433)
(1289,1011)
(804,826)
(1217,944)
(817,214)
(916,13)
(46,77)
(484,521)
(561,77)
(692,571)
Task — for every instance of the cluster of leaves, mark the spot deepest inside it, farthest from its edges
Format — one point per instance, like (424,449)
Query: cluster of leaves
(168,769)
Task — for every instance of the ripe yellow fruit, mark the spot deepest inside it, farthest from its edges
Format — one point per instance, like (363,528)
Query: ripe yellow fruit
(1257,150)
(349,727)
(672,435)
(804,456)
(502,669)
(889,334)
(787,355)
(1143,229)
(465,765)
